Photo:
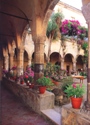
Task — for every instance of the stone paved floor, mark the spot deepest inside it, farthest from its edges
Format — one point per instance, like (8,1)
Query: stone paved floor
(14,113)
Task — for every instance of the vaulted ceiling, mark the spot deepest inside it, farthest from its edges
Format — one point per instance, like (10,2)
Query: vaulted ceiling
(16,14)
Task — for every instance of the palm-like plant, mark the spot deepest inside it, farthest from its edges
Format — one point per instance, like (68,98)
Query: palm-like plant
(53,31)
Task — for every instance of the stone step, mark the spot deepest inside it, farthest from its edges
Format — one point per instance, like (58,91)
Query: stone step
(52,115)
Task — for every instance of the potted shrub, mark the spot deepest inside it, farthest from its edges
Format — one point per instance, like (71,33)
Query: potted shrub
(43,82)
(75,92)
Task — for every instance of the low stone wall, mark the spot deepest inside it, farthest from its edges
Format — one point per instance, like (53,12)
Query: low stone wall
(72,116)
(30,97)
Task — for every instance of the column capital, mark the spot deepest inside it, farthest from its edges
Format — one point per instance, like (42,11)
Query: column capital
(74,60)
(62,59)
(21,50)
(12,54)
(39,39)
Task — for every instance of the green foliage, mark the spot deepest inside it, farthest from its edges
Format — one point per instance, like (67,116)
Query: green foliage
(85,48)
(56,68)
(51,69)
(44,81)
(56,15)
(48,70)
(52,27)
(66,82)
(75,90)
(83,73)
(85,45)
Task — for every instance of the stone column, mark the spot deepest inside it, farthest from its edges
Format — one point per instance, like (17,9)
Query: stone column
(11,60)
(1,67)
(20,61)
(85,67)
(62,63)
(6,62)
(39,57)
(29,61)
(86,13)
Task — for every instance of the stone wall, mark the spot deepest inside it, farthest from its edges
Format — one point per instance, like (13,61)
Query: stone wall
(30,98)
(72,116)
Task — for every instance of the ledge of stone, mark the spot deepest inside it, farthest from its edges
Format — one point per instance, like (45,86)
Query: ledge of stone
(30,97)
(72,116)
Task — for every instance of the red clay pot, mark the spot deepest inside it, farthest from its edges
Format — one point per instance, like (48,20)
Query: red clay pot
(76,102)
(42,89)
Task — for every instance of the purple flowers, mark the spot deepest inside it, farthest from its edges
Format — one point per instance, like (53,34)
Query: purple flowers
(73,28)
(28,75)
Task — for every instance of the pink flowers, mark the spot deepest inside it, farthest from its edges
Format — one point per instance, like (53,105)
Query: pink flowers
(74,85)
(73,28)
(28,75)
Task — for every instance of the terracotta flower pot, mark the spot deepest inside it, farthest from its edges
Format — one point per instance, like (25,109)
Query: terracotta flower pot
(42,89)
(76,102)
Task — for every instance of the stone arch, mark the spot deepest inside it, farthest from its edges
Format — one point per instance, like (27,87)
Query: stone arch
(45,58)
(48,13)
(26,30)
(55,57)
(79,62)
(68,62)
(15,56)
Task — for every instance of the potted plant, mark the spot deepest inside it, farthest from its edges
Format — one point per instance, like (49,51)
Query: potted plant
(43,82)
(29,77)
(75,92)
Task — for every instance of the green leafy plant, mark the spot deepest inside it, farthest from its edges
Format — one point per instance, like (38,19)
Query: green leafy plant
(75,90)
(66,82)
(44,81)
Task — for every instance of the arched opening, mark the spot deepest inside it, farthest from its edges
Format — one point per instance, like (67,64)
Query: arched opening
(79,63)
(45,59)
(15,60)
(25,60)
(33,57)
(55,58)
(68,64)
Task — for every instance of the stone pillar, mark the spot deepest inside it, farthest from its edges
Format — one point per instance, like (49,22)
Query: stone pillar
(86,13)
(29,61)
(11,60)
(62,63)
(74,65)
(6,62)
(20,61)
(85,67)
(39,57)
(1,68)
